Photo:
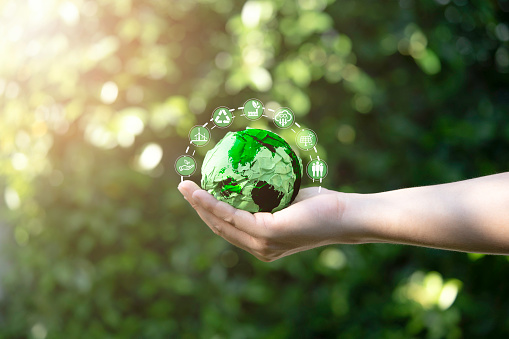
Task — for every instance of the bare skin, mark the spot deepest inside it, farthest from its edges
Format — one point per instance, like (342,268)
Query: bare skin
(469,216)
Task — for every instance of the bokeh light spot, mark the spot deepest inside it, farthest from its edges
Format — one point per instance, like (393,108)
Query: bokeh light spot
(69,13)
(429,62)
(39,331)
(19,161)
(150,157)
(448,294)
(251,13)
(332,258)
(502,57)
(132,124)
(346,134)
(109,92)
(224,60)
(429,290)
(362,103)
(502,32)
(261,79)
(11,198)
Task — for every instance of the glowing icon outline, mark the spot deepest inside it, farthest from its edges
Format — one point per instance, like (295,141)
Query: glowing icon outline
(257,105)
(317,169)
(186,167)
(220,112)
(199,139)
(306,139)
(284,118)
(189,163)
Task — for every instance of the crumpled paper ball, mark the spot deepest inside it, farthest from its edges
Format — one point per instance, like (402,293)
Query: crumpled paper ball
(254,170)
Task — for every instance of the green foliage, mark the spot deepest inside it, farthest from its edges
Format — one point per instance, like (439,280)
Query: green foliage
(97,98)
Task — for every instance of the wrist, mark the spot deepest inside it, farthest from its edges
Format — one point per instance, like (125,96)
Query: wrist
(365,218)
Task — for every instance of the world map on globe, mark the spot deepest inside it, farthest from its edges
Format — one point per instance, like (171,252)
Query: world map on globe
(254,170)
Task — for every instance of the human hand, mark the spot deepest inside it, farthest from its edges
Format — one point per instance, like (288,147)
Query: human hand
(312,220)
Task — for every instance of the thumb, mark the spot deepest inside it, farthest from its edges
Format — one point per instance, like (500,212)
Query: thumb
(187,188)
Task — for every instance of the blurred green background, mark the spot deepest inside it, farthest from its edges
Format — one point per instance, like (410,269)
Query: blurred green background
(96,101)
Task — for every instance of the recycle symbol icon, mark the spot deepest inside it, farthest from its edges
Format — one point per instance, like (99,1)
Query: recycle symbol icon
(226,117)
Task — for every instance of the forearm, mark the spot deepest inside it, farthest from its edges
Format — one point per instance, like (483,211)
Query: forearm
(470,215)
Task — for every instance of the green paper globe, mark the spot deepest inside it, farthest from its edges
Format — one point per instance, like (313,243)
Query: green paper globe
(254,170)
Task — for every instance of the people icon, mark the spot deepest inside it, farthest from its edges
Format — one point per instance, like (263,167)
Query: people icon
(317,169)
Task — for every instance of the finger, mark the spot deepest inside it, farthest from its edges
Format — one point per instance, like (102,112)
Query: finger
(226,231)
(221,209)
(242,220)
(187,188)
(218,225)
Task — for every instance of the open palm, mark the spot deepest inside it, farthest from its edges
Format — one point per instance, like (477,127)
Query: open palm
(310,221)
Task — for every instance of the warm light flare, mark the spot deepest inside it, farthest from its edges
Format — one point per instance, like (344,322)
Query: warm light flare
(109,92)
(150,157)
(69,13)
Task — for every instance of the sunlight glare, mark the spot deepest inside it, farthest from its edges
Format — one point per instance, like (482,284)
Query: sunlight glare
(150,157)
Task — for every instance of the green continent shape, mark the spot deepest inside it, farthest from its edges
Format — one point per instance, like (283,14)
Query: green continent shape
(251,140)
(249,159)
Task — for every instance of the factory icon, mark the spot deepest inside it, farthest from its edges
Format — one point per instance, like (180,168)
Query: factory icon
(256,106)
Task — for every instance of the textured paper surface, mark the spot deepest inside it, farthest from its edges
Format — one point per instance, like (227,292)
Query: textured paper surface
(254,170)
